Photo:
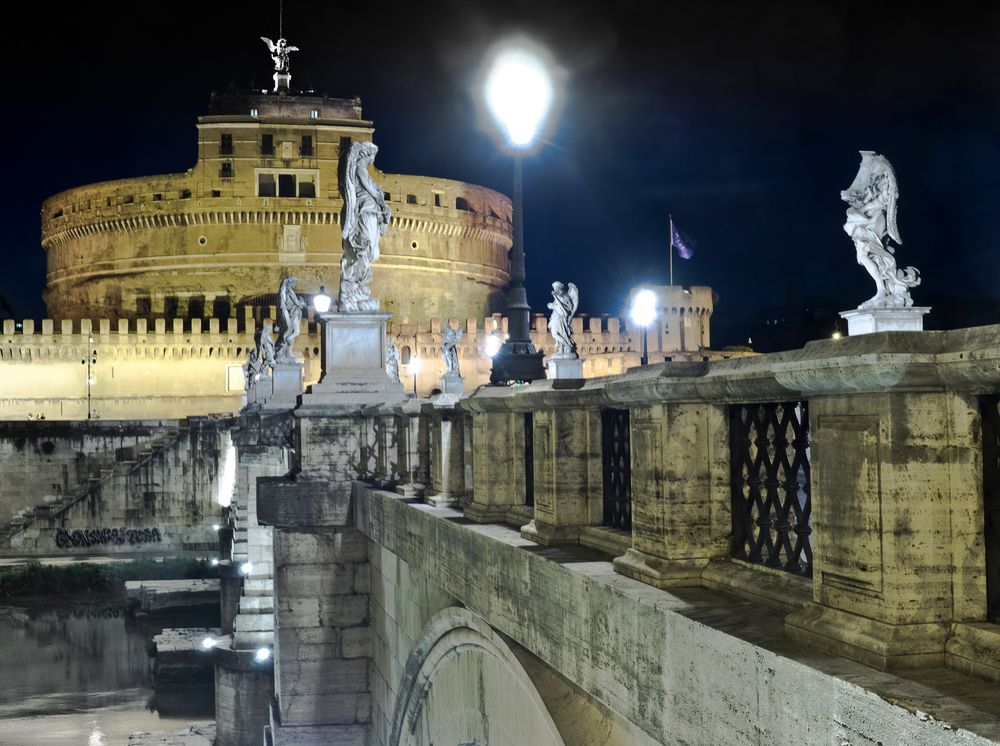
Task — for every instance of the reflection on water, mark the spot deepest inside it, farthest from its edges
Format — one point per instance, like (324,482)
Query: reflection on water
(79,673)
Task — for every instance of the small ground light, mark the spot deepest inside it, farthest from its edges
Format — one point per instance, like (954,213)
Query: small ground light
(216,526)
(262,654)
(215,561)
(245,568)
(207,643)
(835,335)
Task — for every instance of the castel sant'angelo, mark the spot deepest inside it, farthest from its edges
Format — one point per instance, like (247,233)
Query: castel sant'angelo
(162,281)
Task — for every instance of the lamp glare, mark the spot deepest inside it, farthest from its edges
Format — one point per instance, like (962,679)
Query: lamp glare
(518,93)
(644,307)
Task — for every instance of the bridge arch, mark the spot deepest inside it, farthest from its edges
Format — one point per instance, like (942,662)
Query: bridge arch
(463,685)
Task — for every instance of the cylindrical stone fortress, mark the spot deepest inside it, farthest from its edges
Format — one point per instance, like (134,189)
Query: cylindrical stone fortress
(263,202)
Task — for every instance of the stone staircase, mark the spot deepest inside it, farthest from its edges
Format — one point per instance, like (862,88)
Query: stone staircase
(127,460)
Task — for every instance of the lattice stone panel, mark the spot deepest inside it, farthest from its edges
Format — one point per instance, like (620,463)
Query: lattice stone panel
(770,482)
(616,459)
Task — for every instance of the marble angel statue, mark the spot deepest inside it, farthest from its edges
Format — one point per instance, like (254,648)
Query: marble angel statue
(366,219)
(565,300)
(392,361)
(260,359)
(450,337)
(871,221)
(290,308)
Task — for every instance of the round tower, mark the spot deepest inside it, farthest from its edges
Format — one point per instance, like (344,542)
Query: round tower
(263,202)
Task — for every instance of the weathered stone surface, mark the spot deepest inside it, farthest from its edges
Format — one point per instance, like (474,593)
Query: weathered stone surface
(194,735)
(159,596)
(656,659)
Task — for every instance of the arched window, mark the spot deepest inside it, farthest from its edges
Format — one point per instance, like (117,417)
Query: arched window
(404,355)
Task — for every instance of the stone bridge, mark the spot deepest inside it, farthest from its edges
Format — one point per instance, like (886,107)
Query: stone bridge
(791,548)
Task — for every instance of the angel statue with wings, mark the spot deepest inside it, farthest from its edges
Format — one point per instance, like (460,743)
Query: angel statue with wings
(565,300)
(366,219)
(871,220)
(279,53)
(450,337)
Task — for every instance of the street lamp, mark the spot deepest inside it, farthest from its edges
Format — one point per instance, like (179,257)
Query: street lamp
(519,92)
(321,301)
(414,369)
(90,361)
(643,312)
(493,345)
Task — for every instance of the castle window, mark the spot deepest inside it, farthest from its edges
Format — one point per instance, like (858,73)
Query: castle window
(286,185)
(388,197)
(437,199)
(265,185)
(226,171)
(307,187)
(157,197)
(185,194)
(58,213)
(405,355)
(128,200)
(226,145)
(267,144)
(306,149)
(216,192)
(314,114)
(461,203)
(411,199)
(253,112)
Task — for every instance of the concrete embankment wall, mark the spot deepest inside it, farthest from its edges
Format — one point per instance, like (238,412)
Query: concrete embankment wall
(162,495)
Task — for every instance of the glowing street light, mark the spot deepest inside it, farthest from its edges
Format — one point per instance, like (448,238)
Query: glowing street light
(519,93)
(643,312)
(493,345)
(208,643)
(262,654)
(246,568)
(321,301)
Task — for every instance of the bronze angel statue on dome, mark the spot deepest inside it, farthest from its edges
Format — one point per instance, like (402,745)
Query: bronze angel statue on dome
(279,53)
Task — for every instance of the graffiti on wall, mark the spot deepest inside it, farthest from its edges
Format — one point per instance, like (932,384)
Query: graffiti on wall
(92,537)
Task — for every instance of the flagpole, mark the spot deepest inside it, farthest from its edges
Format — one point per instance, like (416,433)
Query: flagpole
(671,249)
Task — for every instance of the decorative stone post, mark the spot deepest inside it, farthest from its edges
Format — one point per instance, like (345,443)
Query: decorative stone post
(680,483)
(448,483)
(567,468)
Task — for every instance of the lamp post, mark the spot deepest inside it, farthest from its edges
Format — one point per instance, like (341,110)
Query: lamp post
(414,369)
(518,94)
(643,312)
(90,361)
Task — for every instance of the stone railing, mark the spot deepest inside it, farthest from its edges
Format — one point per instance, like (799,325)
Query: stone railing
(842,483)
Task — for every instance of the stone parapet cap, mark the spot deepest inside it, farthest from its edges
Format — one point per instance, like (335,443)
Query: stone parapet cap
(964,359)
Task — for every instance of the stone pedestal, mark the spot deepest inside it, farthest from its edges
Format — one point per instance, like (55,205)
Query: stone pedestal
(872,320)
(498,463)
(243,690)
(565,367)
(897,508)
(353,363)
(452,385)
(282,82)
(280,390)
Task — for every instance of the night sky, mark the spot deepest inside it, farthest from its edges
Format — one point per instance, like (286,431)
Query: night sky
(743,120)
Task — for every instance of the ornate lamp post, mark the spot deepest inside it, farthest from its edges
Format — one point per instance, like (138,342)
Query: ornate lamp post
(518,94)
(643,312)
(90,361)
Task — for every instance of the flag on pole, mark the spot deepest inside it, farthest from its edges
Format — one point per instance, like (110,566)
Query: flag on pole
(684,245)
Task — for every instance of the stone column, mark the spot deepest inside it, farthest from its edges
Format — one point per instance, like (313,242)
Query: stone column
(498,463)
(680,493)
(448,483)
(898,523)
(321,585)
(568,478)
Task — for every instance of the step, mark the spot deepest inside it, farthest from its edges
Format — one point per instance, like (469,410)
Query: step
(257,604)
(258,586)
(263,622)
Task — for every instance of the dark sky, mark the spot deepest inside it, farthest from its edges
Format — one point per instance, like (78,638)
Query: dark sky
(742,119)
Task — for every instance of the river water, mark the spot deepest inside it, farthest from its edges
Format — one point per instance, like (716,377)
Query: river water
(77,673)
